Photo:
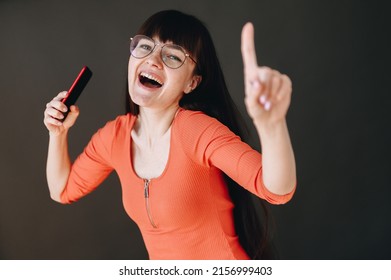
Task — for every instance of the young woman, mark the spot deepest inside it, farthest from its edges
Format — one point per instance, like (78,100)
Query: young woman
(186,175)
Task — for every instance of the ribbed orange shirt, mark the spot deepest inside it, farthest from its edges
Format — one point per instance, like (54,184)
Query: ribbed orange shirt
(186,212)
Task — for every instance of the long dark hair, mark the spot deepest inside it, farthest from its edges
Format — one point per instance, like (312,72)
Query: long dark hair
(211,96)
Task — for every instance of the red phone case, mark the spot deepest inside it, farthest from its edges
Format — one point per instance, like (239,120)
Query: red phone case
(77,87)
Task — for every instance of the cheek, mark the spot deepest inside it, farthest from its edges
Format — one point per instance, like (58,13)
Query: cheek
(182,78)
(131,66)
(131,71)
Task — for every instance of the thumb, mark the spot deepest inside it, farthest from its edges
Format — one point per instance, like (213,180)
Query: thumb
(72,116)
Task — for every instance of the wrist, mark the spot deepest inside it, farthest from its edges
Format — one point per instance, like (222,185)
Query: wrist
(269,128)
(58,134)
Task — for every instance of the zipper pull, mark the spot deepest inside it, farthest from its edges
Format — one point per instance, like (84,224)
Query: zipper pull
(147,206)
(146,188)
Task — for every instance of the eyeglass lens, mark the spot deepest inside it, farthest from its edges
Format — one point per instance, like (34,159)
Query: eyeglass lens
(172,55)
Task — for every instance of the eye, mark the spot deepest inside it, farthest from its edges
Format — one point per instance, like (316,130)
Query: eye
(173,53)
(173,57)
(145,47)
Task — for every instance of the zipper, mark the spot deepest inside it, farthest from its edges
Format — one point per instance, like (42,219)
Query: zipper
(147,205)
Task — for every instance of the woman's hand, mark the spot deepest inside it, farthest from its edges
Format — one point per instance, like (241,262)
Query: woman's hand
(54,114)
(58,163)
(268,95)
(267,91)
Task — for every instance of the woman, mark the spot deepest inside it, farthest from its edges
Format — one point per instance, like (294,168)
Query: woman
(177,146)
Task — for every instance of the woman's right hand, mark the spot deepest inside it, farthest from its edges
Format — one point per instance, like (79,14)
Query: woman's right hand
(54,114)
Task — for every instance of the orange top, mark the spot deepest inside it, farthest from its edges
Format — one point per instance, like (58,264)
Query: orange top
(186,212)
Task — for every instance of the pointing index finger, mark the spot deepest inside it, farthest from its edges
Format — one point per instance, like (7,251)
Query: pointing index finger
(248,48)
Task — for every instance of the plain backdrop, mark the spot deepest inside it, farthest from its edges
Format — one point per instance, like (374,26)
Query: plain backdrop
(335,52)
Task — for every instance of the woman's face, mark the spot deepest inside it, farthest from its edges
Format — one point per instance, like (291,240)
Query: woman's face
(154,85)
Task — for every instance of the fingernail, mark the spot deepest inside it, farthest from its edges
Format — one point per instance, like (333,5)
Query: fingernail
(267,105)
(262,99)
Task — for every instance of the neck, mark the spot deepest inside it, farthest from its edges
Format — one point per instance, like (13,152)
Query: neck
(155,123)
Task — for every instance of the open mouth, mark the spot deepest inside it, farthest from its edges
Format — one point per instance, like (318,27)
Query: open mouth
(150,81)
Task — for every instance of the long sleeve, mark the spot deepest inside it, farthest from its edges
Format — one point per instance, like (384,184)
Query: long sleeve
(92,166)
(210,143)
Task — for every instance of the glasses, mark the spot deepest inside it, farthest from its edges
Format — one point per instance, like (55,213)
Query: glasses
(173,56)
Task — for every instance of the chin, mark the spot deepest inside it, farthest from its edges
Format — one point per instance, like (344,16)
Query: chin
(141,99)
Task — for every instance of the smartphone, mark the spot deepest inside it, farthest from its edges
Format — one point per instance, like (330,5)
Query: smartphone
(77,87)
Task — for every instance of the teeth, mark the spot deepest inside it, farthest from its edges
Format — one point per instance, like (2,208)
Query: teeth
(151,77)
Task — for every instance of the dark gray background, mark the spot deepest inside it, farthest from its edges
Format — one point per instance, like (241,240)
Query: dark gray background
(334,51)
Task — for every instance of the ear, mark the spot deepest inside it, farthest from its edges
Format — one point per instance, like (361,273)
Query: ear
(195,81)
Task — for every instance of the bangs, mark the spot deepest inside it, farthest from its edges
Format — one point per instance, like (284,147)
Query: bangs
(181,29)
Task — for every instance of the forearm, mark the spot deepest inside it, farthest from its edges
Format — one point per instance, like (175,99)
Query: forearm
(58,164)
(278,161)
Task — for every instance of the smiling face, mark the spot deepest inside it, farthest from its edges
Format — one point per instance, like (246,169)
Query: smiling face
(152,84)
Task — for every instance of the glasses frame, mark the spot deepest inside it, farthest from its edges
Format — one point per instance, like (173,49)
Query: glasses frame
(161,51)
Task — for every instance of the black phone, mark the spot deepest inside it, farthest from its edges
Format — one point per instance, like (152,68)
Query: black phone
(77,87)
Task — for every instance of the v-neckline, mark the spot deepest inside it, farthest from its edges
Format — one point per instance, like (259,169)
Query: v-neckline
(130,150)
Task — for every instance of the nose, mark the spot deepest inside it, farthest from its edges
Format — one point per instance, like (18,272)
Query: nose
(155,58)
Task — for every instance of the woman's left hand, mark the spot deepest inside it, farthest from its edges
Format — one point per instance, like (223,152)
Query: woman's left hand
(267,91)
